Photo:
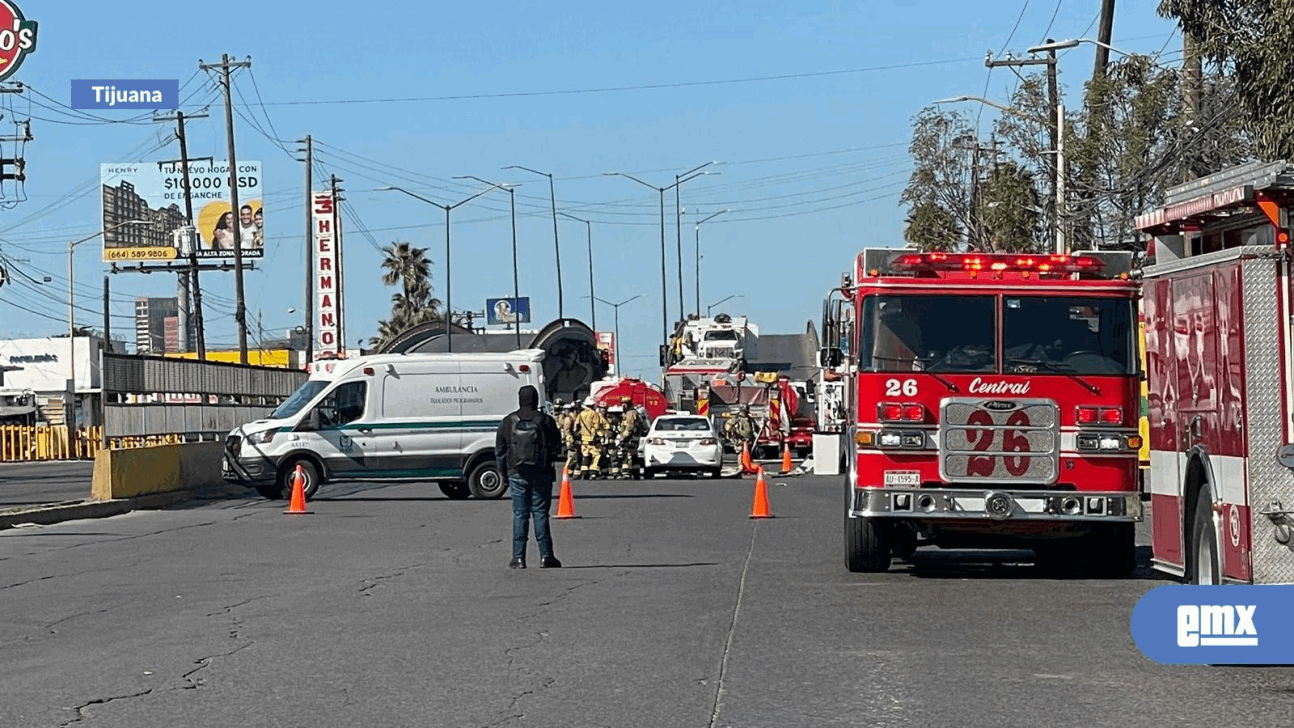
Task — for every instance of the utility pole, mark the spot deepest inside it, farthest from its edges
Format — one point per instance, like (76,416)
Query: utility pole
(1104,34)
(240,310)
(1053,128)
(341,269)
(309,248)
(1194,75)
(191,332)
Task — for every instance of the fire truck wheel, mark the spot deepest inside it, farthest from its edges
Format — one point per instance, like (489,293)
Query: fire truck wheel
(1204,565)
(867,547)
(903,542)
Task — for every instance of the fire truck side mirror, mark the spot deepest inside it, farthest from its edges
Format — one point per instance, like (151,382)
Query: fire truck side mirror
(830,358)
(664,351)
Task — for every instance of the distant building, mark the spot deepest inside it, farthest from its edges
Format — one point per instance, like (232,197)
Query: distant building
(36,375)
(150,325)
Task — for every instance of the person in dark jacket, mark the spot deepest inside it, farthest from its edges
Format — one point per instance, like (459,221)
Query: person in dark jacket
(525,448)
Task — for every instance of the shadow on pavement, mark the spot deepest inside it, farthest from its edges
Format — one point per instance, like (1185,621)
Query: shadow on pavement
(642,566)
(1017,564)
(633,495)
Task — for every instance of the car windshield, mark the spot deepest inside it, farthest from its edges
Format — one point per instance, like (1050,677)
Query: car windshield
(299,399)
(1068,335)
(721,336)
(682,424)
(929,333)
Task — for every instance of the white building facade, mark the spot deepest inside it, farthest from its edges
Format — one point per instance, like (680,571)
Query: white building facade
(42,368)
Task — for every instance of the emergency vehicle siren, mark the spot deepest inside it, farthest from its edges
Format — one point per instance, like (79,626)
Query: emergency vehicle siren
(298,502)
(566,501)
(760,509)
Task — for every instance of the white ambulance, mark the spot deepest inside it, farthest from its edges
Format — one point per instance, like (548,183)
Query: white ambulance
(428,417)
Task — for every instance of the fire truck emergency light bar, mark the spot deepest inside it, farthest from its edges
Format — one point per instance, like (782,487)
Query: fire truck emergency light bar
(1103,264)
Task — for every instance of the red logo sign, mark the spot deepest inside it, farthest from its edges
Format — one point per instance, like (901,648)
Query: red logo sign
(17,38)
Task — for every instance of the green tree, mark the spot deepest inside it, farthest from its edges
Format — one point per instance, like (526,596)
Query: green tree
(1252,38)
(1008,210)
(939,187)
(930,227)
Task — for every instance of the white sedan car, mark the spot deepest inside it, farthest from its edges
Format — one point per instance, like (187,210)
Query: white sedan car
(682,442)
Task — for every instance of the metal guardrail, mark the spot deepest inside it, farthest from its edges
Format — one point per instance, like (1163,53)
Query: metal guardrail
(226,395)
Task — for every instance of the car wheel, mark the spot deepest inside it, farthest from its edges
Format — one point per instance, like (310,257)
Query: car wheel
(309,471)
(486,483)
(455,490)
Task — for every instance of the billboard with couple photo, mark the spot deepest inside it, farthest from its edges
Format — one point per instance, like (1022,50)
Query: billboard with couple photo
(153,195)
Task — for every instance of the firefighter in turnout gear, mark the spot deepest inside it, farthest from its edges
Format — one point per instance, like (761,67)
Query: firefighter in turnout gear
(561,416)
(740,429)
(592,430)
(570,437)
(628,434)
(611,444)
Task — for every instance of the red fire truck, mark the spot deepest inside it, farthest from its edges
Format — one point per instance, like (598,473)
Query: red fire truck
(994,404)
(1221,381)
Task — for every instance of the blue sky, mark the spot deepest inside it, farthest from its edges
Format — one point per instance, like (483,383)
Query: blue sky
(813,161)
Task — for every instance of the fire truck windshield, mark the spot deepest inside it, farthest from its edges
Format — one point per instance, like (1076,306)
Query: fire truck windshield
(929,333)
(1068,334)
(1058,335)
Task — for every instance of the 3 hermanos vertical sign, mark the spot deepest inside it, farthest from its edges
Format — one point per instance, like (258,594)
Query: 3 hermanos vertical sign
(325,272)
(17,38)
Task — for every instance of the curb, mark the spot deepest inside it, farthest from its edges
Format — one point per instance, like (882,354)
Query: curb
(49,514)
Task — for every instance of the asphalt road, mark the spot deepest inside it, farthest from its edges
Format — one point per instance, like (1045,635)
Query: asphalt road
(28,484)
(392,606)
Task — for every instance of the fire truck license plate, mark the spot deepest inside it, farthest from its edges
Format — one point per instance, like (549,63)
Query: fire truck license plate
(903,478)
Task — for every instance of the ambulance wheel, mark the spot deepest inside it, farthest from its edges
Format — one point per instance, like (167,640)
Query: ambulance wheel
(310,473)
(867,548)
(455,490)
(485,482)
(1205,566)
(273,492)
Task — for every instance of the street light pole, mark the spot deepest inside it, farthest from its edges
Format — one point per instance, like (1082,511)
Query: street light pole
(664,291)
(516,288)
(593,308)
(710,308)
(616,307)
(449,309)
(679,179)
(69,416)
(698,257)
(557,248)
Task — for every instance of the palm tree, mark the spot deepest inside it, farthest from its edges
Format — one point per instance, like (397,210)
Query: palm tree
(409,268)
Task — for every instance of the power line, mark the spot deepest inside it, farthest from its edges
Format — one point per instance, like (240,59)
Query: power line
(641,87)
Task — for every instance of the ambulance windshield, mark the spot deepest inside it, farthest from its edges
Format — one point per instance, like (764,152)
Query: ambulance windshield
(299,399)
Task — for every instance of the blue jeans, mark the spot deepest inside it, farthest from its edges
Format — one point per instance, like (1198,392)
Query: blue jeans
(532,496)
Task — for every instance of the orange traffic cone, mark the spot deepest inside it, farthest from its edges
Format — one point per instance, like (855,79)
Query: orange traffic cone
(786,458)
(761,498)
(298,503)
(566,501)
(747,465)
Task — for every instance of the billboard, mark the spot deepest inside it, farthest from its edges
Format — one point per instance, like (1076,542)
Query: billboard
(155,193)
(501,311)
(323,214)
(607,343)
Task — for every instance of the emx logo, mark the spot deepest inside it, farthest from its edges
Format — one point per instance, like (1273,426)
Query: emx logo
(1215,625)
(17,38)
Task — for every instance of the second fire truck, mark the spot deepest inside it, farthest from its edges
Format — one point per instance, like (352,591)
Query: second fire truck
(993,402)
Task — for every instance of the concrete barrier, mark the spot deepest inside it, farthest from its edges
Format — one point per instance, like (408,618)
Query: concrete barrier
(148,470)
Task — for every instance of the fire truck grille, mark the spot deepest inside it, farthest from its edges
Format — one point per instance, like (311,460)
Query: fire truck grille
(999,441)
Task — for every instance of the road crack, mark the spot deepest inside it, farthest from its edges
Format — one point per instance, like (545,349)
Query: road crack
(80,709)
(368,585)
(732,630)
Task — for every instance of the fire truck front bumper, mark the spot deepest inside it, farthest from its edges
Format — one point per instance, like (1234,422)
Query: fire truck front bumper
(995,505)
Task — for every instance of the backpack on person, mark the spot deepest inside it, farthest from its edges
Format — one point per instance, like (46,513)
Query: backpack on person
(529,446)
